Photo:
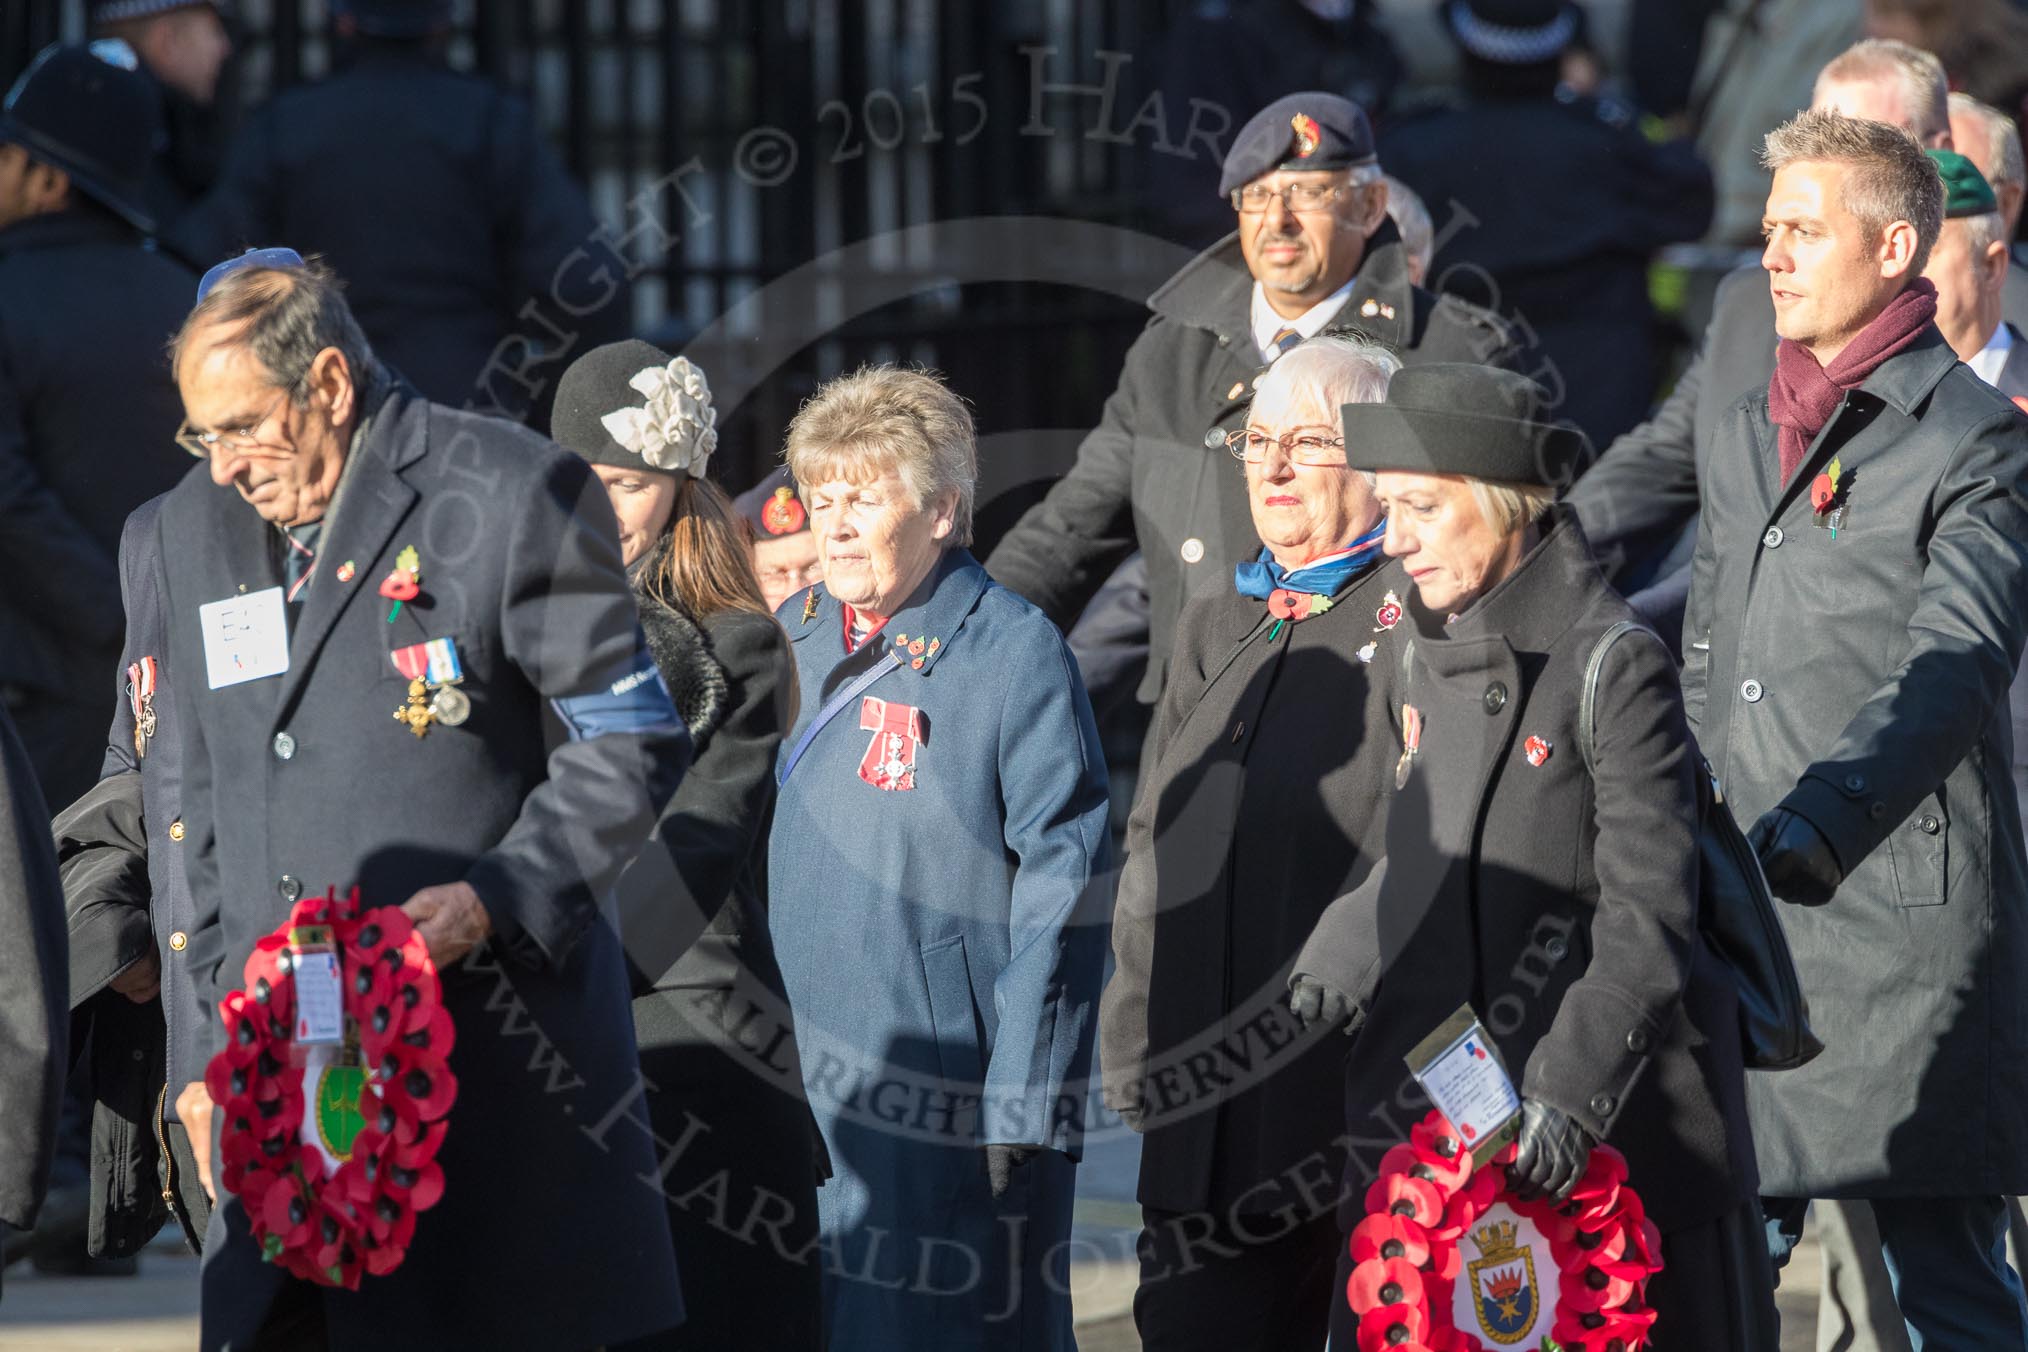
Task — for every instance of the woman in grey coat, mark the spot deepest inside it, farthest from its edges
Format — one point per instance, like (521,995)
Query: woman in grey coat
(1558,898)
(734,1139)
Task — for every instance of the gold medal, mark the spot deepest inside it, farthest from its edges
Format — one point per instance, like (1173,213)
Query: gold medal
(416,714)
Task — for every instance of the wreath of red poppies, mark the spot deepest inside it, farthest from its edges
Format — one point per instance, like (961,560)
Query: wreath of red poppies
(1430,1199)
(332,1219)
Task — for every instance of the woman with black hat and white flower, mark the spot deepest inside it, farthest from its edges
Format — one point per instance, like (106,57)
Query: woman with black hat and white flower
(724,1084)
(1550,886)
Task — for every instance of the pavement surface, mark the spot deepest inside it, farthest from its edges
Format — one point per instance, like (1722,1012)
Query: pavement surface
(157,1310)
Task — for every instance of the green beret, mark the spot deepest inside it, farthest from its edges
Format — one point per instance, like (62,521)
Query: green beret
(1966,192)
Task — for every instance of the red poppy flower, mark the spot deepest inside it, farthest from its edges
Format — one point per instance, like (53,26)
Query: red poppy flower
(1446,1174)
(1399,1195)
(1384,1281)
(1386,1236)
(1288,605)
(400,585)
(1388,615)
(1438,1142)
(1592,1289)
(1822,493)
(1377,1328)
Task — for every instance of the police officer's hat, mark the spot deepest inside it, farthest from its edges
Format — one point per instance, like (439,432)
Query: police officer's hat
(1460,418)
(395,18)
(1513,32)
(773,507)
(1300,131)
(116,11)
(95,121)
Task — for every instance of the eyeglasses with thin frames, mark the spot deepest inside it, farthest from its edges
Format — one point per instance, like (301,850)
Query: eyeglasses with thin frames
(1296,198)
(1307,448)
(241,440)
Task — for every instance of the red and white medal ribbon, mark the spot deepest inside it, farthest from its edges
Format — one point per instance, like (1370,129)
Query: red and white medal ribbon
(889,762)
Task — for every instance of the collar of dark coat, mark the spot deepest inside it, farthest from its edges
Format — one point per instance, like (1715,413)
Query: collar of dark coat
(683,654)
(62,229)
(1215,291)
(1527,611)
(935,614)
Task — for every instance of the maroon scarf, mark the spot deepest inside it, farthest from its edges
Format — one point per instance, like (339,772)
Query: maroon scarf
(1803,395)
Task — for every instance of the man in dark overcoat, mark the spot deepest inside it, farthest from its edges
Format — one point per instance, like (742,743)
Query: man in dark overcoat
(482,299)
(1856,618)
(87,411)
(1639,502)
(1313,248)
(407,591)
(32,989)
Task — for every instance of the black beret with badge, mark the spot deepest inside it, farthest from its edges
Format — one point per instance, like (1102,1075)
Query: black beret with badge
(1299,131)
(1462,418)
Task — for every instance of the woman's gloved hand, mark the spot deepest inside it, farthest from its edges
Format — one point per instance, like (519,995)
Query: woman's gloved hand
(1554,1150)
(1314,1002)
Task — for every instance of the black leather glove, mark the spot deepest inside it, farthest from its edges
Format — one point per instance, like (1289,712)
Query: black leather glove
(1003,1160)
(1800,865)
(1554,1150)
(1314,1002)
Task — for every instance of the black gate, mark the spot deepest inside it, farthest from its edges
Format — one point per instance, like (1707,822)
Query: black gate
(798,185)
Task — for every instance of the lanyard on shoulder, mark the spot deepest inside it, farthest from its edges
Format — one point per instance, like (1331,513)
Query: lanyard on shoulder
(832,708)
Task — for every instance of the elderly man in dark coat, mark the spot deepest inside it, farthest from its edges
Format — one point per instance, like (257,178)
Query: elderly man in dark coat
(1855,622)
(1261,807)
(87,410)
(347,545)
(32,989)
(1314,248)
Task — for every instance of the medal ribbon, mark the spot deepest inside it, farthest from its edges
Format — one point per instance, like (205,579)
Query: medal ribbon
(412,661)
(140,682)
(889,762)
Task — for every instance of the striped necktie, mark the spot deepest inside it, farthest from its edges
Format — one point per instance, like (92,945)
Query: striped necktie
(1284,339)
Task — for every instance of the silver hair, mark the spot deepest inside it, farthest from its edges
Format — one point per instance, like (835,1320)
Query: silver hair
(1892,179)
(1333,369)
(1919,76)
(1411,218)
(2002,151)
(1980,233)
(883,418)
(285,316)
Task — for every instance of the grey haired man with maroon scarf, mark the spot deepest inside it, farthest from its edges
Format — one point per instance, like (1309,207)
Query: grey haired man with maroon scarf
(1856,617)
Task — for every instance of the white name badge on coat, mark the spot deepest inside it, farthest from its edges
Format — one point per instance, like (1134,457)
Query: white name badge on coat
(246,638)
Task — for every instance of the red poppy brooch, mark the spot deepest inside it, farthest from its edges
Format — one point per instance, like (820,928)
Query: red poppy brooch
(1827,497)
(1447,1260)
(334,1088)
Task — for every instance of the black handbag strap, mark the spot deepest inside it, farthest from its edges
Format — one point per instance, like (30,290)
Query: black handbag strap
(832,709)
(1587,698)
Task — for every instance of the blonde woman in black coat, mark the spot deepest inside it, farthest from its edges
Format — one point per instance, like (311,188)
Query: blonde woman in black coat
(735,1142)
(1558,900)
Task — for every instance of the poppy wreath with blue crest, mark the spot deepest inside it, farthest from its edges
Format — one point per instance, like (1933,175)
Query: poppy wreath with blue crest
(335,1211)
(1411,1276)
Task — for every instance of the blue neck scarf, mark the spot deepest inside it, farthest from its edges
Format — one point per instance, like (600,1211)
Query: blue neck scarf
(1322,578)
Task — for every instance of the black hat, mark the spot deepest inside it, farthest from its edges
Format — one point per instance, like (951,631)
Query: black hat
(630,403)
(114,11)
(1513,32)
(1299,131)
(94,120)
(1459,418)
(396,18)
(772,507)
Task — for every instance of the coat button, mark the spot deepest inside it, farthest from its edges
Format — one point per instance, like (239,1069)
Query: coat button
(1193,550)
(1496,697)
(1750,691)
(291,888)
(1773,538)
(178,940)
(1876,811)
(176,829)
(1855,783)
(285,746)
(1602,1105)
(1556,948)
(1930,826)
(1637,1042)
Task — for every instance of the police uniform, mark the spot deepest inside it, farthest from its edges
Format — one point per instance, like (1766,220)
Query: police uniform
(1148,476)
(88,412)
(438,292)
(1571,200)
(313,778)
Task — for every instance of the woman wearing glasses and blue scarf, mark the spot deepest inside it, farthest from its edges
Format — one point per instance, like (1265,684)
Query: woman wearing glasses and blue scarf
(1260,809)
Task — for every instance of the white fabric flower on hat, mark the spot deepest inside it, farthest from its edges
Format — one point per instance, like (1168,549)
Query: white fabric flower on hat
(677,431)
